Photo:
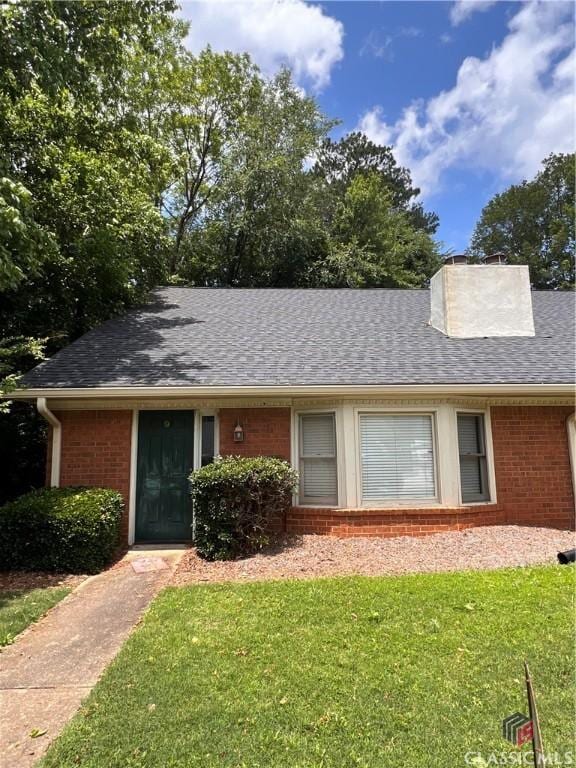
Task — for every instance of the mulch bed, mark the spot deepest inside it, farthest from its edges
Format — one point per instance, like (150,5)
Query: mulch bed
(12,581)
(27,580)
(304,557)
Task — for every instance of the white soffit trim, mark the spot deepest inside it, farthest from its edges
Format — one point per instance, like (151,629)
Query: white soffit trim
(295,391)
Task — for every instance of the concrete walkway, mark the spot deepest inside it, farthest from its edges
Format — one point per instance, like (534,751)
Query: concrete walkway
(51,668)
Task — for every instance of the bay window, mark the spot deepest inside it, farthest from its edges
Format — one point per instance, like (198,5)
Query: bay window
(393,456)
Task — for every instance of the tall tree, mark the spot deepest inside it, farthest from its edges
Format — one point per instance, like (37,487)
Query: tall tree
(372,244)
(213,95)
(80,234)
(378,235)
(85,237)
(259,228)
(533,223)
(338,163)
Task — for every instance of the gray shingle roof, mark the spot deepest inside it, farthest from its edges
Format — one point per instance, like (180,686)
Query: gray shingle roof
(203,336)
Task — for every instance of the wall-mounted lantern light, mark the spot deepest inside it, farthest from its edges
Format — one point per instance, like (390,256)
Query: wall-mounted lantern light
(238,433)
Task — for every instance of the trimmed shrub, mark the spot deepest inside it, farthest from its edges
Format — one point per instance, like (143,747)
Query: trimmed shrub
(73,530)
(235,501)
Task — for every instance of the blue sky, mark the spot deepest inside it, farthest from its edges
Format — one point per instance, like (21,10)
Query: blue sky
(471,94)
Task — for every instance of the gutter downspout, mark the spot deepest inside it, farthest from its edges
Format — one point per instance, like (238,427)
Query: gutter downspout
(43,410)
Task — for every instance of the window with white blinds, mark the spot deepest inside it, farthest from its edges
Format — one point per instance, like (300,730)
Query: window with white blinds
(472,450)
(397,456)
(318,470)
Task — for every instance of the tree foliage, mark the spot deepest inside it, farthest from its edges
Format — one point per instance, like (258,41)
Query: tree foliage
(267,221)
(85,238)
(533,223)
(80,235)
(213,95)
(127,160)
(373,242)
(338,163)
(258,226)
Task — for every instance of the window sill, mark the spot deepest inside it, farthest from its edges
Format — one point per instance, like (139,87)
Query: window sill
(374,511)
(487,503)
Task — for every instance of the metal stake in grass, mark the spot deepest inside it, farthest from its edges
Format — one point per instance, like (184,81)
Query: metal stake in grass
(537,746)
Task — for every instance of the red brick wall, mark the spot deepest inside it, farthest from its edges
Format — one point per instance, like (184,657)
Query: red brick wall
(389,522)
(266,432)
(96,451)
(532,464)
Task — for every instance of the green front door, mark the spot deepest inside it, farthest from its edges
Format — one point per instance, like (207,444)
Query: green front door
(165,459)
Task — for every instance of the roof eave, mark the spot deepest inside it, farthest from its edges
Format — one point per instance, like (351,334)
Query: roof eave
(294,390)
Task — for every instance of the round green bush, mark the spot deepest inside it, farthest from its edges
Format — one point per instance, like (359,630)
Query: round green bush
(71,530)
(235,502)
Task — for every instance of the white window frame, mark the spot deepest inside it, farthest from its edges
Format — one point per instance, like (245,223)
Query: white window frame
(340,465)
(133,473)
(446,459)
(488,447)
(432,501)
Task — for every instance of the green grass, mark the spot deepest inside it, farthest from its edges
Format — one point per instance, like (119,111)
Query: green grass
(20,608)
(408,672)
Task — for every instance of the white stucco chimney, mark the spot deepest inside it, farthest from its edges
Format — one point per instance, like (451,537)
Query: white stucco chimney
(477,300)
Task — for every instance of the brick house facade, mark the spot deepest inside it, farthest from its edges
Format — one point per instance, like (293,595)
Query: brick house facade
(405,412)
(530,450)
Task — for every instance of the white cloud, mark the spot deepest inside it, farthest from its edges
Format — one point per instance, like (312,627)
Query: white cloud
(505,113)
(378,42)
(377,45)
(462,9)
(375,126)
(273,32)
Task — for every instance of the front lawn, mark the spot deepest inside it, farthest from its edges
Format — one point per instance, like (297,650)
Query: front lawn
(20,608)
(408,672)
